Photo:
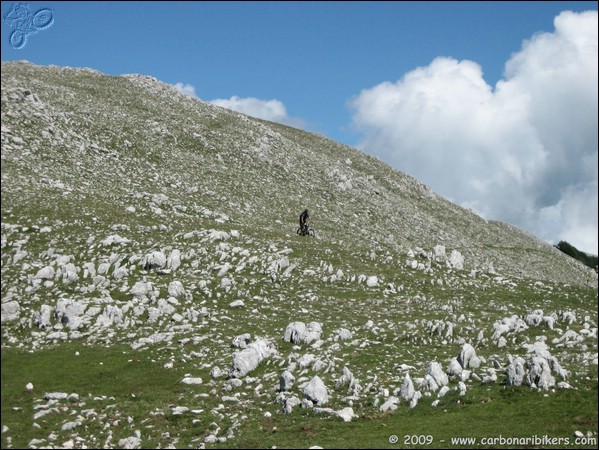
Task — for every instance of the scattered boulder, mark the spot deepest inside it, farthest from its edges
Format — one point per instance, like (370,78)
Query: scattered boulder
(537,371)
(42,318)
(176,289)
(316,391)
(10,311)
(406,391)
(286,381)
(130,442)
(539,374)
(299,333)
(346,414)
(155,260)
(444,390)
(343,334)
(242,340)
(467,357)
(515,371)
(435,378)
(454,368)
(248,359)
(347,378)
(114,239)
(191,380)
(390,404)
(46,273)
(456,260)
(439,253)
(141,289)
(70,312)
(174,260)
(535,318)
(417,396)
(372,281)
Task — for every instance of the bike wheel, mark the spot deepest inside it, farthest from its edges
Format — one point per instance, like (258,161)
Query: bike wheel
(17,39)
(311,232)
(299,231)
(43,19)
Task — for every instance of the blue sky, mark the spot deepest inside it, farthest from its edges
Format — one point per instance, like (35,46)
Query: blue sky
(312,56)
(322,66)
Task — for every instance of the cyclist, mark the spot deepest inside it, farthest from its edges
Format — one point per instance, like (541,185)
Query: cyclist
(303,219)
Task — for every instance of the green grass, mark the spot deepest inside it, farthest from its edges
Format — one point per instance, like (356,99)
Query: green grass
(498,412)
(259,189)
(142,389)
(134,383)
(138,387)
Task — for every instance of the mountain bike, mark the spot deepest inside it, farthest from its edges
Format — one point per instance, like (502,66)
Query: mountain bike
(307,231)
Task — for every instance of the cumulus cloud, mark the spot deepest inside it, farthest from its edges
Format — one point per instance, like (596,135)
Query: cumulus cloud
(524,151)
(186,89)
(272,110)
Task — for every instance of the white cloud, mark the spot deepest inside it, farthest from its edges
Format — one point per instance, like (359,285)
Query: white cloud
(186,89)
(272,110)
(524,152)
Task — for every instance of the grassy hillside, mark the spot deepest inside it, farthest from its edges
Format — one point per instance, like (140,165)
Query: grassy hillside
(134,220)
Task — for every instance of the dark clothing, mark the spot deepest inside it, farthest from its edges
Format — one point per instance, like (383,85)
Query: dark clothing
(303,218)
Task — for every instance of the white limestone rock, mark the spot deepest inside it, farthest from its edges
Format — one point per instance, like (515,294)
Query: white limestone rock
(155,260)
(372,281)
(539,374)
(316,391)
(467,357)
(176,289)
(248,359)
(346,414)
(46,273)
(286,381)
(390,404)
(456,260)
(10,311)
(454,368)
(515,371)
(236,304)
(406,391)
(191,380)
(435,371)
(343,334)
(299,333)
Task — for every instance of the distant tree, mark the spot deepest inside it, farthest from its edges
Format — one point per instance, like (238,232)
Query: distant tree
(585,258)
(567,248)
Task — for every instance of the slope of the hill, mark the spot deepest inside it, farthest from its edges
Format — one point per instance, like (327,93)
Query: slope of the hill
(82,138)
(155,293)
